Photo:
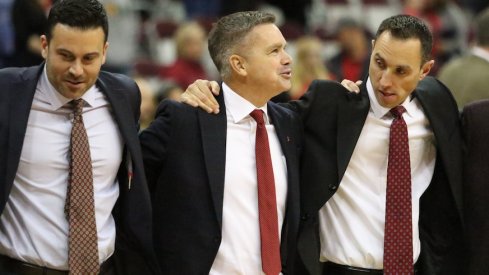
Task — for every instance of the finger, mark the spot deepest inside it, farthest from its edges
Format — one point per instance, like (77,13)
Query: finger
(350,85)
(345,82)
(354,88)
(197,102)
(215,87)
(205,95)
(187,99)
(359,82)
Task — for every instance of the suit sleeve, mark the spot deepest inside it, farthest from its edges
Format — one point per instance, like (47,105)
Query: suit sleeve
(476,208)
(318,95)
(154,142)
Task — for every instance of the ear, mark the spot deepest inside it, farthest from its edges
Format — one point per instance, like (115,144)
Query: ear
(373,43)
(426,68)
(104,52)
(44,46)
(238,64)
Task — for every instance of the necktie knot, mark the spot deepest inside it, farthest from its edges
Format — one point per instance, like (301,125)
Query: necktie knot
(398,111)
(77,105)
(257,115)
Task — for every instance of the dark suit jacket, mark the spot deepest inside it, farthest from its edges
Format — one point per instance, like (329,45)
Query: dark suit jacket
(333,120)
(476,185)
(132,212)
(184,153)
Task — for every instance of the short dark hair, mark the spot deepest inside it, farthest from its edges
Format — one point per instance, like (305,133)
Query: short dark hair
(407,27)
(229,32)
(82,14)
(482,28)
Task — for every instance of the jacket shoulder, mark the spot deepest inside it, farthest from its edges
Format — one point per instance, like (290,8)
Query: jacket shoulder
(117,81)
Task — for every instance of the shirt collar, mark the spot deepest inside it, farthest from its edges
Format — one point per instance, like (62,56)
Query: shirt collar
(57,100)
(480,52)
(238,107)
(380,111)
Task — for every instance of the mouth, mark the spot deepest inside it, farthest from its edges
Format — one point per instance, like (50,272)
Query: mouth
(73,83)
(386,95)
(286,73)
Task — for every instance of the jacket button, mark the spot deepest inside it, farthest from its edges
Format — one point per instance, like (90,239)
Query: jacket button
(305,217)
(332,187)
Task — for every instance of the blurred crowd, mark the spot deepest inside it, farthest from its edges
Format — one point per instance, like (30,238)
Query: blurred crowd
(163,43)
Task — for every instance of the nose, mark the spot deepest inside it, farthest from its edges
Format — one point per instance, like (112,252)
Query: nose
(385,79)
(286,59)
(76,68)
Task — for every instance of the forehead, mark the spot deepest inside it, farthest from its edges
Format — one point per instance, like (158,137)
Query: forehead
(398,51)
(265,33)
(66,36)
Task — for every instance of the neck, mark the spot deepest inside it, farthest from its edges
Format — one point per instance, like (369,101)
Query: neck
(252,94)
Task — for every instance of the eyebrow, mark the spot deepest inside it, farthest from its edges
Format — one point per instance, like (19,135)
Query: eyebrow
(276,45)
(70,53)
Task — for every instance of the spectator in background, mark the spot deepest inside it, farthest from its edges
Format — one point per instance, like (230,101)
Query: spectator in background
(152,95)
(148,102)
(448,24)
(353,59)
(190,42)
(308,65)
(6,32)
(29,19)
(202,9)
(467,76)
(169,91)
(124,24)
(475,5)
(294,10)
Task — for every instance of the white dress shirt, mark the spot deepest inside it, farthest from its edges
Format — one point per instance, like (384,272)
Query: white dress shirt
(33,226)
(239,252)
(352,221)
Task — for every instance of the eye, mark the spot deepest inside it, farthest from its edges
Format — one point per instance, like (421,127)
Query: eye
(66,56)
(379,63)
(89,58)
(275,51)
(400,71)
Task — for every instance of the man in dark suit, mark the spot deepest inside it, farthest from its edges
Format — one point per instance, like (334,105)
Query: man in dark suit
(476,195)
(201,168)
(35,124)
(346,153)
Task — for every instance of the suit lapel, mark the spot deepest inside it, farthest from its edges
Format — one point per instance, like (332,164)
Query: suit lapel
(120,107)
(213,131)
(351,118)
(444,133)
(284,135)
(21,97)
(289,148)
